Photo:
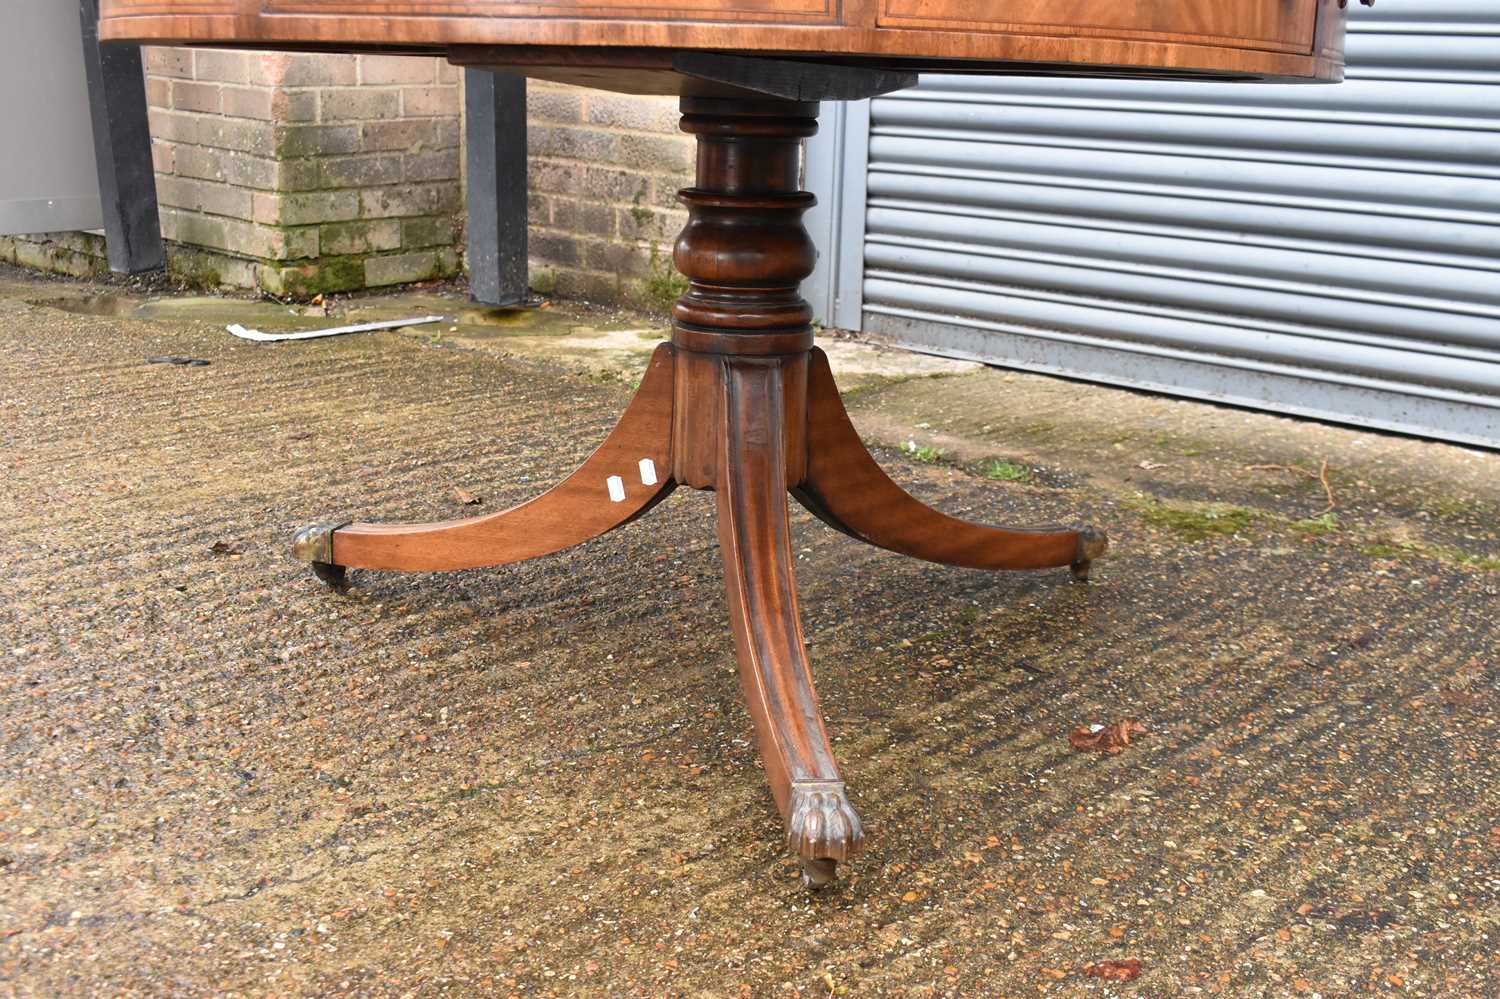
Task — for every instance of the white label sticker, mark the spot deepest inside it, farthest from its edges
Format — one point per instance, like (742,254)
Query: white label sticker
(648,472)
(616,488)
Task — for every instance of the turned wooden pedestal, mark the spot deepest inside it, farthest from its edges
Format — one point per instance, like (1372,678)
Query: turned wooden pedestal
(741,403)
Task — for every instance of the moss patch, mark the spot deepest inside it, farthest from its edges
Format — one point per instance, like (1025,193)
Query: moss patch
(1438,553)
(1325,524)
(544,280)
(195,270)
(1198,521)
(664,286)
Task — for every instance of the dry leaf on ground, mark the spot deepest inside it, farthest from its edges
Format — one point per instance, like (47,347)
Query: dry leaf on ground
(1105,738)
(1127,970)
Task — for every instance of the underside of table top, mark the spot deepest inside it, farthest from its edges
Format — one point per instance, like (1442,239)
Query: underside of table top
(623,45)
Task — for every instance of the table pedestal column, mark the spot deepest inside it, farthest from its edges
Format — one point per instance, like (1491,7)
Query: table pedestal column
(743,338)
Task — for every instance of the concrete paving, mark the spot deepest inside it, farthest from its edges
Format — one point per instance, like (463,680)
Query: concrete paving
(220,779)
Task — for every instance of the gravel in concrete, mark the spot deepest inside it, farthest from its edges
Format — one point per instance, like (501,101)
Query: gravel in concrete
(220,779)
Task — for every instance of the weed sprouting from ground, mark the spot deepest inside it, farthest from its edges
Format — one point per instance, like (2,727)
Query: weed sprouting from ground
(927,455)
(1000,470)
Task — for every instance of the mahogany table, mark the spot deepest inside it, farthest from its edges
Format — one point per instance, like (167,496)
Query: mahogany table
(740,401)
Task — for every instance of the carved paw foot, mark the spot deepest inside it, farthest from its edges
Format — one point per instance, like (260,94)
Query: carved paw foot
(1092,544)
(822,829)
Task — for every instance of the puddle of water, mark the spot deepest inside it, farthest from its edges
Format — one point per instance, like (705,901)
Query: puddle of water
(511,324)
(117,306)
(219,311)
(204,308)
(481,316)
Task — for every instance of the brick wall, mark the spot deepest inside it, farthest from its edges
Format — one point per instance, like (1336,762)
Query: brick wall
(300,173)
(77,254)
(604,172)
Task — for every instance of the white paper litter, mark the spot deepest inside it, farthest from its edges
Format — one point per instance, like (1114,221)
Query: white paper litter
(256,335)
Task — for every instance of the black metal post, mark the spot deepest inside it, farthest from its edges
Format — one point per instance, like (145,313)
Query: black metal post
(122,149)
(495,111)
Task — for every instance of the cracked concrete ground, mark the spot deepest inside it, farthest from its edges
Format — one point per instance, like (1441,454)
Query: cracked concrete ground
(220,779)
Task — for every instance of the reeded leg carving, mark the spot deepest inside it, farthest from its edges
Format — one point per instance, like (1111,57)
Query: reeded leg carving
(743,332)
(629,473)
(847,489)
(822,827)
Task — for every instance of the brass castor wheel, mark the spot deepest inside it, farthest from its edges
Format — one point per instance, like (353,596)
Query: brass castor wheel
(1092,544)
(313,544)
(331,574)
(819,874)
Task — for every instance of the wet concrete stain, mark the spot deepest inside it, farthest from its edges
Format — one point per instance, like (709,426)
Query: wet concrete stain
(219,778)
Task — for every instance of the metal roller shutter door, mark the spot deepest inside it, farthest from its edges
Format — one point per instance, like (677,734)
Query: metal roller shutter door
(1330,251)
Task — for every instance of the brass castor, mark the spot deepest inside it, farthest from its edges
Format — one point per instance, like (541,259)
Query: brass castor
(819,874)
(331,574)
(313,544)
(1092,544)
